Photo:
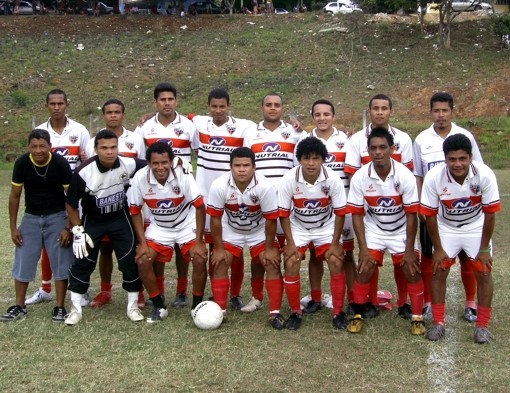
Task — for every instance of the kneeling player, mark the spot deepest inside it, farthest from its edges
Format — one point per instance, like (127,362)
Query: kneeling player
(250,205)
(170,195)
(311,202)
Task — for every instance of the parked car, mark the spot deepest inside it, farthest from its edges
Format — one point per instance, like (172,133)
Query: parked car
(337,7)
(280,11)
(24,8)
(473,5)
(102,8)
(204,7)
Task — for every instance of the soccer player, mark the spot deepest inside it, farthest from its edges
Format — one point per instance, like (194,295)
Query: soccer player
(101,184)
(311,204)
(274,143)
(130,145)
(428,152)
(69,139)
(244,210)
(383,200)
(178,217)
(459,200)
(45,177)
(217,136)
(380,110)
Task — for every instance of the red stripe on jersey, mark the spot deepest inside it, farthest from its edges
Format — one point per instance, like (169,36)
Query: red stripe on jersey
(350,169)
(271,215)
(413,208)
(176,142)
(214,212)
(428,211)
(234,207)
(283,147)
(360,210)
(341,211)
(492,207)
(339,156)
(310,203)
(366,159)
(128,154)
(462,203)
(134,209)
(285,213)
(220,140)
(162,204)
(199,202)
(385,201)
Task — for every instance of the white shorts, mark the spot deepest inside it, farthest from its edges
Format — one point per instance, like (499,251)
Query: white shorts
(394,244)
(453,245)
(170,238)
(319,237)
(235,241)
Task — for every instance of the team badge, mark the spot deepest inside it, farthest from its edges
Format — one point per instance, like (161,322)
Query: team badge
(445,190)
(176,189)
(285,134)
(397,146)
(397,186)
(254,198)
(231,129)
(475,188)
(340,145)
(73,138)
(325,190)
(178,131)
(346,232)
(124,177)
(130,145)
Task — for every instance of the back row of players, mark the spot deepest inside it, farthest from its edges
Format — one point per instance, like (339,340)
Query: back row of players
(243,206)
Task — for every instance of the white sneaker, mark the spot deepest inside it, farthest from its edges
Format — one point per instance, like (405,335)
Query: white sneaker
(85,300)
(73,318)
(252,305)
(305,300)
(39,296)
(135,314)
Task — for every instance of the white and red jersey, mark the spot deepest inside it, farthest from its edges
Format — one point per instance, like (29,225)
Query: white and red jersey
(130,145)
(428,149)
(70,143)
(274,150)
(460,207)
(311,206)
(171,205)
(336,145)
(384,203)
(357,151)
(179,134)
(215,145)
(244,211)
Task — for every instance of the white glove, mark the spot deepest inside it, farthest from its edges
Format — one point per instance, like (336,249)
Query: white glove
(186,166)
(80,241)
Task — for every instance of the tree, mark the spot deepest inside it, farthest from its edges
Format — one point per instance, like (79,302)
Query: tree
(230,5)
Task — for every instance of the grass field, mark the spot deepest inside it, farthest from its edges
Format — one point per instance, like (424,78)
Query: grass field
(106,352)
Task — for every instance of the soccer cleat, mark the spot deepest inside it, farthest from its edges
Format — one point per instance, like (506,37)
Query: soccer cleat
(181,300)
(252,305)
(141,300)
(73,318)
(14,313)
(157,315)
(236,303)
(58,314)
(277,321)
(427,313)
(294,321)
(370,311)
(101,299)
(470,314)
(435,333)
(355,325)
(340,321)
(135,314)
(482,335)
(312,307)
(39,296)
(418,326)
(85,299)
(405,312)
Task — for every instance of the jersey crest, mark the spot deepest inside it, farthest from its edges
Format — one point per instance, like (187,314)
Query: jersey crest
(73,138)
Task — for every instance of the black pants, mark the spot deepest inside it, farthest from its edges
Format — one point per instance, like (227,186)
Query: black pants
(120,231)
(425,241)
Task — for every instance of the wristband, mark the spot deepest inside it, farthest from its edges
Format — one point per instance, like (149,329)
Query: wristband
(485,250)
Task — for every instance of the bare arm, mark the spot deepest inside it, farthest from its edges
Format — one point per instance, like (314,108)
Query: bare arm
(14,201)
(439,254)
(484,255)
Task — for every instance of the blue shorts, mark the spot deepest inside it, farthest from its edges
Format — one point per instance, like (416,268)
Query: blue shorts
(38,232)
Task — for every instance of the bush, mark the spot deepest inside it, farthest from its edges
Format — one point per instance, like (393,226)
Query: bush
(501,24)
(20,98)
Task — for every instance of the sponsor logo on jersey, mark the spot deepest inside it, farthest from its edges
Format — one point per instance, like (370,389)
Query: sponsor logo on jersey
(312,203)
(370,188)
(165,204)
(217,141)
(330,158)
(61,151)
(178,131)
(431,165)
(386,202)
(461,203)
(271,147)
(130,145)
(115,199)
(169,142)
(73,138)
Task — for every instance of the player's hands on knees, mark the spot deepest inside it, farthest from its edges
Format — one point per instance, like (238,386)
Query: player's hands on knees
(335,251)
(220,256)
(270,257)
(411,263)
(485,259)
(365,262)
(143,255)
(439,260)
(64,238)
(291,254)
(16,237)
(199,250)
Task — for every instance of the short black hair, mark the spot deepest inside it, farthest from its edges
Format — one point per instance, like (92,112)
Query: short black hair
(272,95)
(381,132)
(159,147)
(162,87)
(323,102)
(242,152)
(457,142)
(380,97)
(39,134)
(104,134)
(442,97)
(56,92)
(113,101)
(311,145)
(218,94)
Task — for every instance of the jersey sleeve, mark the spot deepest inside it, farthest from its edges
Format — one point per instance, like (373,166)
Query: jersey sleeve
(407,151)
(284,197)
(269,202)
(477,156)
(76,190)
(85,138)
(352,155)
(355,199)
(490,193)
(18,177)
(135,196)
(90,148)
(418,168)
(410,193)
(429,201)
(216,199)
(338,198)
(192,192)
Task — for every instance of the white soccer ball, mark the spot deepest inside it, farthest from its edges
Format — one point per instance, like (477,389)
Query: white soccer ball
(207,315)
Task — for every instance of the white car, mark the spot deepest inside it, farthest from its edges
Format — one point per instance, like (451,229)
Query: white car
(336,7)
(280,11)
(474,5)
(25,8)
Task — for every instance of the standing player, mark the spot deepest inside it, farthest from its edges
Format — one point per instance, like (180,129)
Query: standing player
(130,145)
(380,110)
(274,142)
(68,139)
(311,203)
(383,200)
(460,198)
(428,152)
(45,177)
(244,210)
(217,136)
(177,217)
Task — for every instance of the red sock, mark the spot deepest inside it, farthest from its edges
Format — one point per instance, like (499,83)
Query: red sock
(401,281)
(438,313)
(257,288)
(361,292)
(338,292)
(292,286)
(106,287)
(274,290)
(316,295)
(469,281)
(236,276)
(374,284)
(416,294)
(182,285)
(46,273)
(483,316)
(426,276)
(154,294)
(220,288)
(160,281)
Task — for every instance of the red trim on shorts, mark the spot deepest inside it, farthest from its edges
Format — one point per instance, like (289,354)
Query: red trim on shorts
(236,251)
(164,253)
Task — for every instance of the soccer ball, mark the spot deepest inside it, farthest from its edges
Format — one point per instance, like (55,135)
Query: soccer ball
(207,315)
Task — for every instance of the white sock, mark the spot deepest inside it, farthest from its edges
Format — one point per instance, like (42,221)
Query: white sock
(132,300)
(76,301)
